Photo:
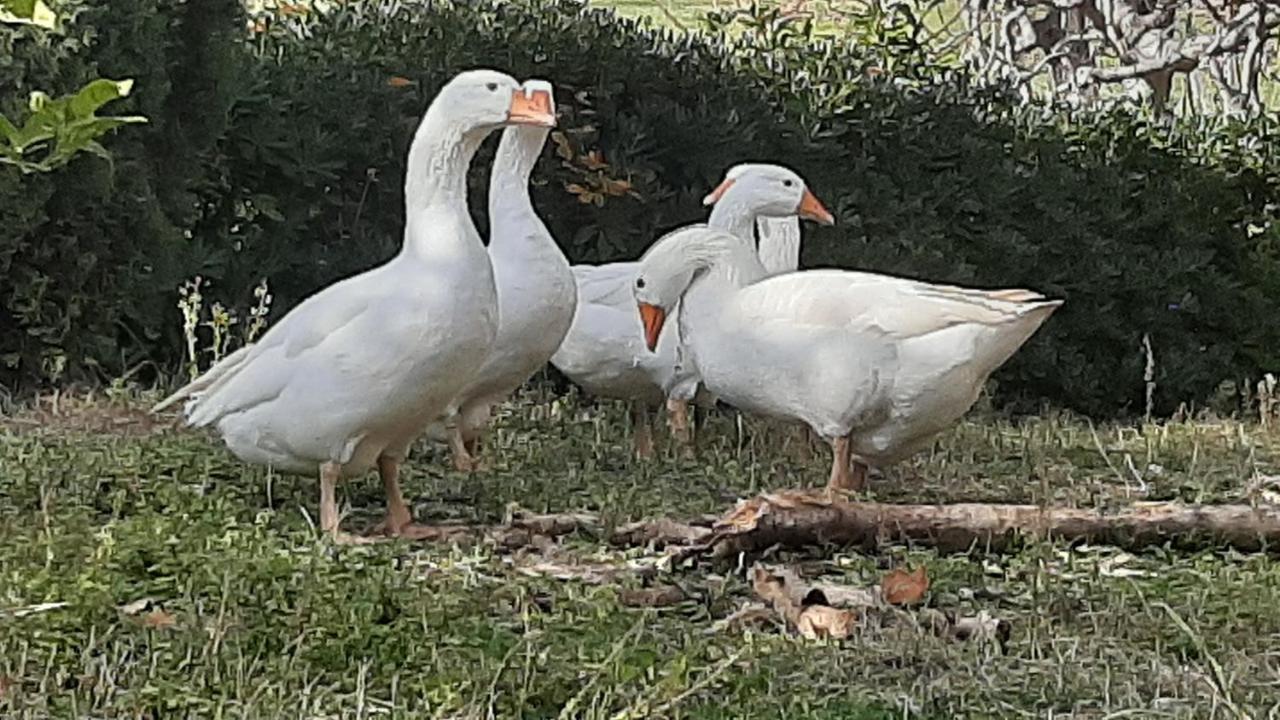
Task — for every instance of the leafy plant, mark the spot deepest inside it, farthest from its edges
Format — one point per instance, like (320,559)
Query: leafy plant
(90,251)
(29,12)
(58,129)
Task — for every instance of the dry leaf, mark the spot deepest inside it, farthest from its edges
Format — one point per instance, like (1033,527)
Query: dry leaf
(158,619)
(594,161)
(563,148)
(804,609)
(617,187)
(397,81)
(744,517)
(900,587)
(8,687)
(772,588)
(818,622)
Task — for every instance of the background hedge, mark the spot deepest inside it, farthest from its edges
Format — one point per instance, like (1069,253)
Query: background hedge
(279,153)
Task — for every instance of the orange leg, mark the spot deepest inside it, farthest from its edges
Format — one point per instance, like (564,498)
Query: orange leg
(860,475)
(845,475)
(398,514)
(462,458)
(472,446)
(399,521)
(681,428)
(330,474)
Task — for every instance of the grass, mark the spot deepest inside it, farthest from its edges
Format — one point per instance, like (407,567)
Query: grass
(828,14)
(239,610)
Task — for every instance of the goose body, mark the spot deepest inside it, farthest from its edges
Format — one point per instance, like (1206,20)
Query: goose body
(602,352)
(347,380)
(537,295)
(364,374)
(874,364)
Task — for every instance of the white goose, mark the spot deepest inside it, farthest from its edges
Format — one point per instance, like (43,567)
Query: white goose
(536,291)
(875,365)
(352,375)
(603,352)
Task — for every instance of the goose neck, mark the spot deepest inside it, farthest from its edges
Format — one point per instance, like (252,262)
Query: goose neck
(779,244)
(518,152)
(725,265)
(733,215)
(439,156)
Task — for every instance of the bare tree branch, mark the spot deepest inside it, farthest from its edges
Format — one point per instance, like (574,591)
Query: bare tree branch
(1089,44)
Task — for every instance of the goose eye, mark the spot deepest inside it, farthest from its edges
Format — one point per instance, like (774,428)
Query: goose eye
(493,87)
(640,283)
(788,183)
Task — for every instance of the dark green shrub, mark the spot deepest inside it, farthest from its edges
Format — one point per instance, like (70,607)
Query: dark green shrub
(1145,229)
(91,253)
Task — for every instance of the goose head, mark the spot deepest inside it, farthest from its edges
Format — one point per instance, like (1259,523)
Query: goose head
(654,291)
(489,99)
(769,190)
(669,267)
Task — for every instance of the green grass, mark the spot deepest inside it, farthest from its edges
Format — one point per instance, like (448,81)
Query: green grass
(828,14)
(271,621)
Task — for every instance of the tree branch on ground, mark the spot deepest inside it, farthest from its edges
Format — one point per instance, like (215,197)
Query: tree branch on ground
(798,518)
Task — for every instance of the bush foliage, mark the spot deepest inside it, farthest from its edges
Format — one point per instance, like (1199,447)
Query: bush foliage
(91,253)
(279,153)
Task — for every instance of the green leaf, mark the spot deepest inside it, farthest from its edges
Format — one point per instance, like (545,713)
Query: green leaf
(58,128)
(93,147)
(7,130)
(96,94)
(28,12)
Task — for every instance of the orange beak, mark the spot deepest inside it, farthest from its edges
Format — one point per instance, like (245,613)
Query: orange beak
(653,318)
(715,195)
(532,106)
(811,209)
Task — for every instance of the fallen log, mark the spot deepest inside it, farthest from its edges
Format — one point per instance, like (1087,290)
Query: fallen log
(797,518)
(805,518)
